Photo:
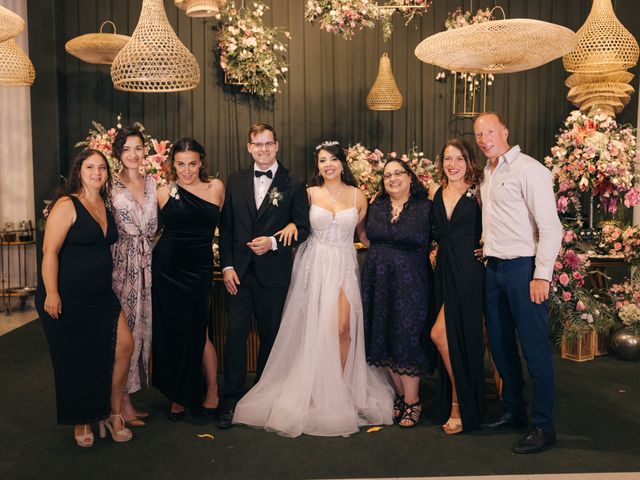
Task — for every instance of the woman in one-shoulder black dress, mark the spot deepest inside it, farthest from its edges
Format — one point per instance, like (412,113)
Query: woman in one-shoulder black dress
(77,305)
(459,287)
(181,284)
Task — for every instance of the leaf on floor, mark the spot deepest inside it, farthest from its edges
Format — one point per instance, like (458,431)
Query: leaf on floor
(206,435)
(374,429)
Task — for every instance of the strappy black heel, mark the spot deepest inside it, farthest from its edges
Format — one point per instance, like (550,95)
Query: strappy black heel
(398,408)
(413,413)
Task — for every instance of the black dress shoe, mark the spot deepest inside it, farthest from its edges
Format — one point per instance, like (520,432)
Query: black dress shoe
(176,416)
(536,441)
(226,417)
(506,420)
(206,412)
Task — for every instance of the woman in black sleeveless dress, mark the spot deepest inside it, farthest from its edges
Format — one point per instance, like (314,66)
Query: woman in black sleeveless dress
(459,287)
(181,284)
(77,306)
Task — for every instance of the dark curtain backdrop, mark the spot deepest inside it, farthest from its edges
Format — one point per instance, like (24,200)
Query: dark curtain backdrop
(324,97)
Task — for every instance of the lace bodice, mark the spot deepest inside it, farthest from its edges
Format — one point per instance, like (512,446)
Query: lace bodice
(328,228)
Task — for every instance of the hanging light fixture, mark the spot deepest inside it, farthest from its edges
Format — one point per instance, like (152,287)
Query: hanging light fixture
(384,95)
(11,24)
(100,48)
(202,8)
(599,80)
(16,69)
(154,60)
(497,46)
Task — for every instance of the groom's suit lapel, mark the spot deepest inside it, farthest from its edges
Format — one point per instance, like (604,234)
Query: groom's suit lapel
(249,194)
(280,181)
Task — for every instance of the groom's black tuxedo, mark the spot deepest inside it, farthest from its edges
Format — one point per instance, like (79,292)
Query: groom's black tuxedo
(264,279)
(241,222)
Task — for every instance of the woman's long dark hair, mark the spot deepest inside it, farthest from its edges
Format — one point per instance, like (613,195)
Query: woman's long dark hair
(73,183)
(416,189)
(473,174)
(189,145)
(336,151)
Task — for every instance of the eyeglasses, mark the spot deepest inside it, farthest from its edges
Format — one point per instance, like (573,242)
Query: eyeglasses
(260,145)
(397,173)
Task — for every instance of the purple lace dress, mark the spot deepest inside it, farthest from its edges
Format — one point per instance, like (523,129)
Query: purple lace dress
(396,286)
(137,224)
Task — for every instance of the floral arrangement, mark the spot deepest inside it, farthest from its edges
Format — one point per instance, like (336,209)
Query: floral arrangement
(366,166)
(619,241)
(573,306)
(596,155)
(459,19)
(250,53)
(154,164)
(342,17)
(409,9)
(626,298)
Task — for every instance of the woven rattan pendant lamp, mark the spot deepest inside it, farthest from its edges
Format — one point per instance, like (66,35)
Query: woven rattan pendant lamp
(203,8)
(100,48)
(384,95)
(154,60)
(16,69)
(497,46)
(599,63)
(11,24)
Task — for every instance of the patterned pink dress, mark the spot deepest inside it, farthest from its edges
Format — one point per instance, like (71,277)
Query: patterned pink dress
(137,225)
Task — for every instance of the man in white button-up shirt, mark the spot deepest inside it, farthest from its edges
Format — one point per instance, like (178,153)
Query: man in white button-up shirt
(522,236)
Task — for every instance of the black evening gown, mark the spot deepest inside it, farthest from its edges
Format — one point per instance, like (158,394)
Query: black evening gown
(396,286)
(459,286)
(82,340)
(182,268)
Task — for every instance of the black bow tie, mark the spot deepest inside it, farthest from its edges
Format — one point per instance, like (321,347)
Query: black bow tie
(258,173)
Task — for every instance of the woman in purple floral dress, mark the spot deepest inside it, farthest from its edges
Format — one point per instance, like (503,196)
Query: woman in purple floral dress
(134,206)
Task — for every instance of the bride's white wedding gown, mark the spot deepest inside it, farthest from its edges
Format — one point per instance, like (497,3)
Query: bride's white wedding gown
(303,388)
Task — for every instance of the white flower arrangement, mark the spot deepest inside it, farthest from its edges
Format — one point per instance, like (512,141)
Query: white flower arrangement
(275,197)
(250,53)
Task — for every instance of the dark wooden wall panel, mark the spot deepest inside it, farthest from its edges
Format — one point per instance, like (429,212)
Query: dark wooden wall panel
(327,82)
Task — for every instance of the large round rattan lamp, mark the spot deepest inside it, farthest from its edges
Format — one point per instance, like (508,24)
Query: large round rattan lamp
(100,48)
(154,60)
(497,46)
(11,24)
(384,95)
(16,69)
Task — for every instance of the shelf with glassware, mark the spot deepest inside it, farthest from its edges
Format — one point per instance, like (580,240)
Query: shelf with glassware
(15,245)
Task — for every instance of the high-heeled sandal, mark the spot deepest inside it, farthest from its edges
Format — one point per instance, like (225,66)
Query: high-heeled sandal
(412,413)
(86,439)
(119,436)
(141,413)
(454,424)
(135,422)
(398,408)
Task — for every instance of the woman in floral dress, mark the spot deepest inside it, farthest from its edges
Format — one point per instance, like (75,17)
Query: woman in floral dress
(134,206)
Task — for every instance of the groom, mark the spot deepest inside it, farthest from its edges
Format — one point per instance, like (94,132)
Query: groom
(256,267)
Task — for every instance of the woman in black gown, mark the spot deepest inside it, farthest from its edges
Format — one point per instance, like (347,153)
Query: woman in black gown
(181,284)
(459,287)
(78,308)
(396,282)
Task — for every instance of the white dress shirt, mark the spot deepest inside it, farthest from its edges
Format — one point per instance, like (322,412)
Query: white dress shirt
(261,184)
(519,216)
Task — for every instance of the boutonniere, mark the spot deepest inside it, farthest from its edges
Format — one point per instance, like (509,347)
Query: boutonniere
(275,196)
(173,191)
(472,191)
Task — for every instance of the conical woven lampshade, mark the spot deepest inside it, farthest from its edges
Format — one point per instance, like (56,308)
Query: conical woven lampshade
(384,95)
(10,24)
(16,70)
(202,8)
(604,45)
(99,48)
(154,60)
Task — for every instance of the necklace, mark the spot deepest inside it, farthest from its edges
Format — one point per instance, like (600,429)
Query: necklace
(396,210)
(334,197)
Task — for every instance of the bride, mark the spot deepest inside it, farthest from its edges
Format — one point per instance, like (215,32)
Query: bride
(316,380)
